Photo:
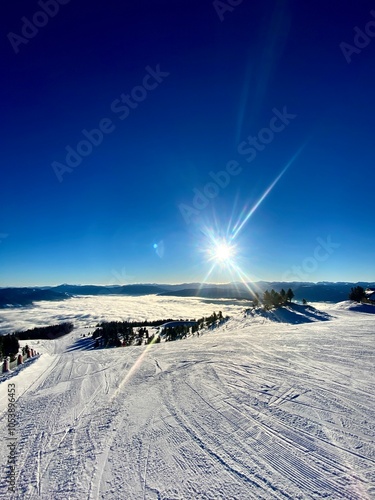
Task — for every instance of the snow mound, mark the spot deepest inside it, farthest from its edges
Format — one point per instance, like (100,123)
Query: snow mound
(349,305)
(292,313)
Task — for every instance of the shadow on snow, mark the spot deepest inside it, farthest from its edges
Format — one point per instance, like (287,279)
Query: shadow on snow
(294,313)
(81,344)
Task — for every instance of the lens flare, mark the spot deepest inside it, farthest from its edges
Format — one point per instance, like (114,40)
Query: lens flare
(221,252)
(219,244)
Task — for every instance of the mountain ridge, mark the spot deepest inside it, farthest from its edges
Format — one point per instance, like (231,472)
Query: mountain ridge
(313,292)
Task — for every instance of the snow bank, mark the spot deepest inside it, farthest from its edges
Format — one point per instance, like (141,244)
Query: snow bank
(292,313)
(349,305)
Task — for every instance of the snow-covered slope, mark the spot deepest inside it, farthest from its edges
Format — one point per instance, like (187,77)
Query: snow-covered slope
(253,410)
(348,305)
(291,313)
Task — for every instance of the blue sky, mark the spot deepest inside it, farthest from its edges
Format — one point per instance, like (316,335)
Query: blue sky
(218,78)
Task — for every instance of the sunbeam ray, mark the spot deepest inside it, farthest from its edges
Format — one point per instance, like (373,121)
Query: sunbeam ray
(266,193)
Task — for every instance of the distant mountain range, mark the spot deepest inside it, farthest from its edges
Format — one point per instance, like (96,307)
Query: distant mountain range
(109,290)
(312,292)
(26,296)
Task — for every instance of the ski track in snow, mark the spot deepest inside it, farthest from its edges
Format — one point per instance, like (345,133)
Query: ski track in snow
(252,410)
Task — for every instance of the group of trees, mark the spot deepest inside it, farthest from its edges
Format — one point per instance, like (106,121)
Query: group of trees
(145,338)
(357,294)
(9,345)
(126,333)
(136,324)
(273,299)
(215,319)
(176,332)
(114,334)
(181,331)
(46,332)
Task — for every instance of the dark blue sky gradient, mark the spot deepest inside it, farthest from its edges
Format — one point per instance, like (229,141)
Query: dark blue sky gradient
(102,222)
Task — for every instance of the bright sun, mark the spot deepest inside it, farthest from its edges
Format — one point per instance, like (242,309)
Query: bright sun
(221,252)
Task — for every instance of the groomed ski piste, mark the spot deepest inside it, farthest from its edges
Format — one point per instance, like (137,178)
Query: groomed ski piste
(262,407)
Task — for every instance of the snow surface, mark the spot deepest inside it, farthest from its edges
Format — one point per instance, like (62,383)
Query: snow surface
(256,409)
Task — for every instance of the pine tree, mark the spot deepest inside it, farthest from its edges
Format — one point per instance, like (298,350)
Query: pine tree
(275,298)
(290,295)
(267,299)
(357,294)
(9,345)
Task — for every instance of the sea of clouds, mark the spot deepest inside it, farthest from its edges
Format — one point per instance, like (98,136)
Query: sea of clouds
(87,311)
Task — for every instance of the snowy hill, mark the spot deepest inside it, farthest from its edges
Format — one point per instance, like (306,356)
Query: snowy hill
(291,313)
(348,305)
(256,409)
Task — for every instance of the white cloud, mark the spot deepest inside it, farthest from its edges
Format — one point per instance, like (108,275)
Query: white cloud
(89,310)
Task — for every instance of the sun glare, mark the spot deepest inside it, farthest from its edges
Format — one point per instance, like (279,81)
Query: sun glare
(221,252)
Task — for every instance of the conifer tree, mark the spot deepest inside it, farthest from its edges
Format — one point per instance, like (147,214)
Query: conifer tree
(290,294)
(357,294)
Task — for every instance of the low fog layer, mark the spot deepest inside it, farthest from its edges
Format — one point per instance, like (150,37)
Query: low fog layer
(89,310)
